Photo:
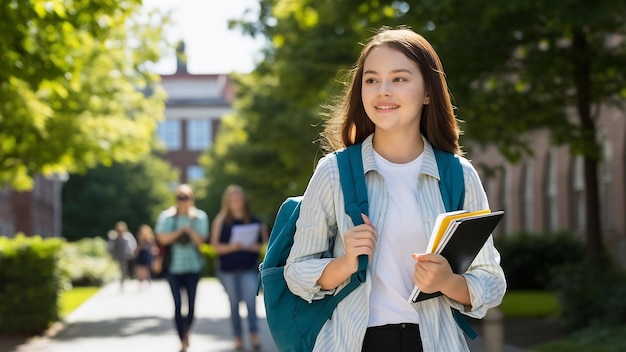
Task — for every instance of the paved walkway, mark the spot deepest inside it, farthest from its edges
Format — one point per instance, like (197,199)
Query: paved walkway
(141,320)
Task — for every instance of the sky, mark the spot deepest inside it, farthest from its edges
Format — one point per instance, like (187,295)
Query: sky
(210,46)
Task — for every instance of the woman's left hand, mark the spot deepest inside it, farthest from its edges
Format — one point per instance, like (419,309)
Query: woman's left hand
(432,272)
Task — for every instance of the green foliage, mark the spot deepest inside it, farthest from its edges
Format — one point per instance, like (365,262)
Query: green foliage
(30,283)
(512,68)
(267,150)
(530,304)
(210,256)
(132,192)
(592,339)
(75,89)
(529,260)
(87,263)
(591,297)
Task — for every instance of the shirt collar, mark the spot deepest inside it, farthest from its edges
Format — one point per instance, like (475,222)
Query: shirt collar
(429,166)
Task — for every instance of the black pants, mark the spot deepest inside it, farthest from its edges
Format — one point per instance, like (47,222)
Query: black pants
(188,282)
(393,337)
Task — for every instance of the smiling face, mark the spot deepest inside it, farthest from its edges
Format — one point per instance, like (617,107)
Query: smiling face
(393,91)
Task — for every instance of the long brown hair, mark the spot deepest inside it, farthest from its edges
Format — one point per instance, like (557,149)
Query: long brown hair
(225,211)
(348,122)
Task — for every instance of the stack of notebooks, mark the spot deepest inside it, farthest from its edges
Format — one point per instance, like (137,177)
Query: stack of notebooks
(459,236)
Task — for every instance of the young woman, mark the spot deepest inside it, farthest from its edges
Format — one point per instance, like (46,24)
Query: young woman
(399,108)
(146,249)
(238,236)
(183,227)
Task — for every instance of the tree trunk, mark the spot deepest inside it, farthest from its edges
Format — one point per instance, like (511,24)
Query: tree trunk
(582,78)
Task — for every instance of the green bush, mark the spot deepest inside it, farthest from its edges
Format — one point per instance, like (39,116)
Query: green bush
(87,263)
(528,260)
(590,297)
(210,256)
(30,283)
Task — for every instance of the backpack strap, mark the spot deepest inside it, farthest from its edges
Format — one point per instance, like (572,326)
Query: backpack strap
(352,179)
(451,180)
(452,187)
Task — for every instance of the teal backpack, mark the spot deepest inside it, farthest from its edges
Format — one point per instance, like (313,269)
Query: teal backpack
(293,322)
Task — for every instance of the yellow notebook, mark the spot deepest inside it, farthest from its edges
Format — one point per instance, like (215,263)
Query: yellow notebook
(442,222)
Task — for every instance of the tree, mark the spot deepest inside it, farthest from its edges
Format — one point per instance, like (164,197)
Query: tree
(75,88)
(131,192)
(526,64)
(264,153)
(514,67)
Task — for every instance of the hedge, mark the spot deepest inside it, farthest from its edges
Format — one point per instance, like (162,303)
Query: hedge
(30,283)
(529,260)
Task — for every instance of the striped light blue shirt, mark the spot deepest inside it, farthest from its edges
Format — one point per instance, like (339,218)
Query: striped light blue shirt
(322,216)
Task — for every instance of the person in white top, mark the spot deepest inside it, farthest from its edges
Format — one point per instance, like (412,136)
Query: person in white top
(398,106)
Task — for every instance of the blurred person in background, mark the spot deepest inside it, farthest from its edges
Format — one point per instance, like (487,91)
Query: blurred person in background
(238,237)
(121,245)
(144,254)
(183,228)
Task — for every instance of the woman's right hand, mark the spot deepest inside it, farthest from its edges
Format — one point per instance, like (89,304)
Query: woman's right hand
(359,240)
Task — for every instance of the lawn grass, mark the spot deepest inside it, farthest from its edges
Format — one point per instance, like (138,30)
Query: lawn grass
(530,304)
(70,300)
(592,339)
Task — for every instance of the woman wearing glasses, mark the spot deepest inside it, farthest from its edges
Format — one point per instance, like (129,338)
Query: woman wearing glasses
(183,228)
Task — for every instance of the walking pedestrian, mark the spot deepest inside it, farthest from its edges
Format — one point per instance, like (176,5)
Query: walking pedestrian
(121,245)
(237,236)
(183,228)
(146,249)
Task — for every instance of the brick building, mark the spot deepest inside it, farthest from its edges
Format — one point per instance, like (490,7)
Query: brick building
(546,192)
(195,105)
(35,212)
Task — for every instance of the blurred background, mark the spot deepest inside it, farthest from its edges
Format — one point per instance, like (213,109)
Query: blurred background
(107,105)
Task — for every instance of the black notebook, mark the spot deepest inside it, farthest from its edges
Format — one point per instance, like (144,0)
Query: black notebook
(460,244)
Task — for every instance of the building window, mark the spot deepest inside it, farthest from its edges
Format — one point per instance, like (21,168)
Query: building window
(606,184)
(195,172)
(169,134)
(551,190)
(198,134)
(580,205)
(527,190)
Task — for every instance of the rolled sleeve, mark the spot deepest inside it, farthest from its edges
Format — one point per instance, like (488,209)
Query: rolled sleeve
(485,278)
(315,225)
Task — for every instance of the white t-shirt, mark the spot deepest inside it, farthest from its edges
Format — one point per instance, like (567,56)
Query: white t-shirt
(403,234)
